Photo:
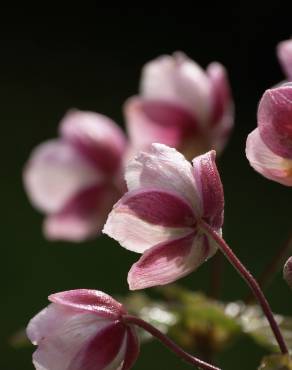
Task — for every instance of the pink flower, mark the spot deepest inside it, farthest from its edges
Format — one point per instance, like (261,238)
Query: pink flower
(287,272)
(160,215)
(76,179)
(284,51)
(269,147)
(82,329)
(181,105)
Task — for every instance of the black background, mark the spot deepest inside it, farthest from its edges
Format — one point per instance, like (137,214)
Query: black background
(90,57)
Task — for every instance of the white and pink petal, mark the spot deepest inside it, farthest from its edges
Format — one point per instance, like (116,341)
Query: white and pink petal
(284,51)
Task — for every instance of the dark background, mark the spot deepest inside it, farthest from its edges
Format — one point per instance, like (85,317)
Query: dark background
(90,57)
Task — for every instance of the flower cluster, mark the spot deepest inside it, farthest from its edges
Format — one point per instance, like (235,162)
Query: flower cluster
(145,193)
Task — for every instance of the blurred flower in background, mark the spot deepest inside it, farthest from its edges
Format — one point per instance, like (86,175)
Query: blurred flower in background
(284,52)
(76,179)
(269,146)
(181,105)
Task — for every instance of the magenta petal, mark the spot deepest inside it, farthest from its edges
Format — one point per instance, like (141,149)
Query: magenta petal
(159,121)
(83,216)
(97,137)
(284,51)
(158,207)
(132,349)
(275,120)
(102,350)
(163,263)
(89,300)
(209,183)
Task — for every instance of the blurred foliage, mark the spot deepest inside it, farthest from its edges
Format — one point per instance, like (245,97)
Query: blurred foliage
(276,362)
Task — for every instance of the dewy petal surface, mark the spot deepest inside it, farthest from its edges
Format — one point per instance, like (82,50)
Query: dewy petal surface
(275,120)
(54,173)
(83,216)
(60,334)
(89,300)
(96,136)
(284,51)
(179,80)
(166,262)
(164,168)
(209,184)
(266,162)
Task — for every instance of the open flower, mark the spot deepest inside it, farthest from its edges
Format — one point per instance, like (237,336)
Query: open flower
(76,179)
(160,215)
(83,329)
(269,147)
(284,51)
(181,105)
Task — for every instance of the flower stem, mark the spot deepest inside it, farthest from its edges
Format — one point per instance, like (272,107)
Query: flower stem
(251,281)
(129,319)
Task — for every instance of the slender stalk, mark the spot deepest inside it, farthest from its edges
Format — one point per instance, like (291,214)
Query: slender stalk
(251,281)
(129,319)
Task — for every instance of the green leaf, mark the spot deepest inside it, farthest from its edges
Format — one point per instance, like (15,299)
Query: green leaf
(276,362)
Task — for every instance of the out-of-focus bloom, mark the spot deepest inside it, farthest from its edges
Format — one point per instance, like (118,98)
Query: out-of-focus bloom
(181,105)
(287,272)
(284,51)
(160,215)
(77,178)
(269,147)
(82,329)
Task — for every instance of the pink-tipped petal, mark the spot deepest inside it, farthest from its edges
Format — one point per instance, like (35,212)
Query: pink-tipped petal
(222,109)
(87,300)
(164,168)
(54,173)
(284,51)
(96,136)
(154,121)
(266,162)
(60,334)
(132,349)
(211,189)
(106,351)
(83,216)
(169,261)
(178,80)
(275,120)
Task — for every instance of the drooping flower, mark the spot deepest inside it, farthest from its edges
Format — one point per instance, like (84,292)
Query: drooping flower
(83,329)
(160,215)
(287,272)
(269,146)
(77,178)
(181,105)
(284,52)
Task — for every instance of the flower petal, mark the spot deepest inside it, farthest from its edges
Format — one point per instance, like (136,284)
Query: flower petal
(284,51)
(97,137)
(83,216)
(266,162)
(164,168)
(154,121)
(132,349)
(222,109)
(179,80)
(54,173)
(211,189)
(60,334)
(106,351)
(166,262)
(89,300)
(275,120)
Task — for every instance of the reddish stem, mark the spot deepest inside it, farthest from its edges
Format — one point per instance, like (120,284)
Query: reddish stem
(251,281)
(129,319)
